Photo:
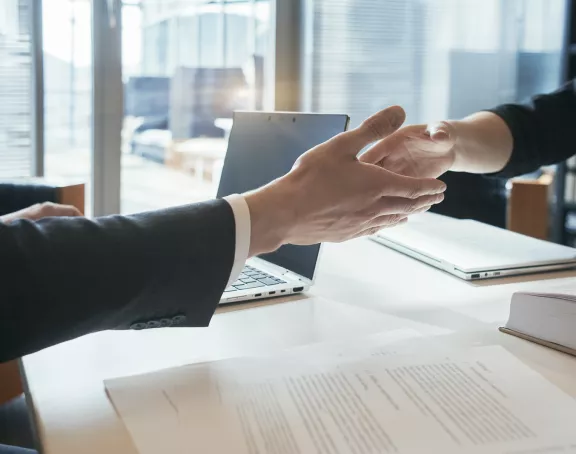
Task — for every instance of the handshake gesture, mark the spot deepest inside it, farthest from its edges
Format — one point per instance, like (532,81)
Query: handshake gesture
(332,195)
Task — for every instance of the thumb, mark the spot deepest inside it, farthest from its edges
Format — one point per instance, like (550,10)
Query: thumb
(440,132)
(374,128)
(393,143)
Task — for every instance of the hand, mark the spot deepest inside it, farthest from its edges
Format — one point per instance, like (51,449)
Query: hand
(330,195)
(423,151)
(41,210)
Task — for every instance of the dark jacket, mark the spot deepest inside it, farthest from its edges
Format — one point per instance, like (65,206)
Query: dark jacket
(544,130)
(63,278)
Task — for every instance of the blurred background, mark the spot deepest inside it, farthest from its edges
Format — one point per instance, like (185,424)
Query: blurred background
(186,65)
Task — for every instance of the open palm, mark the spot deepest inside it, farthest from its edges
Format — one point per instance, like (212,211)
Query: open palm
(416,151)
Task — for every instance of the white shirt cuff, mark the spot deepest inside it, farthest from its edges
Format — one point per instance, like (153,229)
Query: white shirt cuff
(243,226)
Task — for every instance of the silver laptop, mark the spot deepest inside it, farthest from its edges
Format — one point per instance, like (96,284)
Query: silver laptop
(262,147)
(472,250)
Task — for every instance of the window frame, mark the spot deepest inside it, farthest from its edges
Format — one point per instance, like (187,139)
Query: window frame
(286,38)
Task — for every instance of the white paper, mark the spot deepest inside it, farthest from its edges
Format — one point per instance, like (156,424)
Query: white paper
(479,401)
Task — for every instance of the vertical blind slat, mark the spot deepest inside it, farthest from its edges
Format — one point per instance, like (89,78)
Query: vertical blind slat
(15,93)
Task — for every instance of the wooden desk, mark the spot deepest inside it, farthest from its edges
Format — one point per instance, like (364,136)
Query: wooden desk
(364,288)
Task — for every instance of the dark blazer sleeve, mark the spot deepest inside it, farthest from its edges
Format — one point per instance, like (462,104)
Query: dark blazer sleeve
(63,278)
(542,129)
(16,196)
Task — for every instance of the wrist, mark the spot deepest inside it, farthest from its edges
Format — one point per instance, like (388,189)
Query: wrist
(458,149)
(271,216)
(483,143)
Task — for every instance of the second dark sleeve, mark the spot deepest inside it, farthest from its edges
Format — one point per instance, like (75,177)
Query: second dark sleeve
(544,130)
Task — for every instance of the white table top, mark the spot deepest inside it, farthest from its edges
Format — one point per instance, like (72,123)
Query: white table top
(362,288)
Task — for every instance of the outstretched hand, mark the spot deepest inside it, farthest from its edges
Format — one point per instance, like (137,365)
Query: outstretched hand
(422,151)
(41,210)
(331,195)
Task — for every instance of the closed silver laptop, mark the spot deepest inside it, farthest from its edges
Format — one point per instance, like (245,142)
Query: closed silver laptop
(472,250)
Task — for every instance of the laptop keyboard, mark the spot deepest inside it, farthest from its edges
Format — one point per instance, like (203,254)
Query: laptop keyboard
(253,278)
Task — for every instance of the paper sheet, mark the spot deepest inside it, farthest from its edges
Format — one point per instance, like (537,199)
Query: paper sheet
(479,401)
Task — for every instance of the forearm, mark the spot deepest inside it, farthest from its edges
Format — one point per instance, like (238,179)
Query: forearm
(483,143)
(514,139)
(63,278)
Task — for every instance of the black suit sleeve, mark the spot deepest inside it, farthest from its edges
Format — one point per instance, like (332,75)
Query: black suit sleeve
(543,130)
(63,278)
(15,197)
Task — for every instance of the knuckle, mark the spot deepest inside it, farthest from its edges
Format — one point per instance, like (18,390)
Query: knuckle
(341,140)
(445,125)
(370,214)
(45,207)
(411,207)
(373,127)
(415,190)
(432,199)
(340,137)
(372,231)
(379,126)
(384,122)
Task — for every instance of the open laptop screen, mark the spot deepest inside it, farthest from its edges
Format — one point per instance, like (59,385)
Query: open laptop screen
(264,146)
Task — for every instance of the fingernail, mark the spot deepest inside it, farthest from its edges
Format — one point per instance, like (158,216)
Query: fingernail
(396,120)
(397,116)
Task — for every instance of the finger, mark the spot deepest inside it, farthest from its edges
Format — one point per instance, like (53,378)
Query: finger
(410,187)
(375,229)
(402,205)
(374,128)
(392,143)
(394,218)
(382,149)
(73,211)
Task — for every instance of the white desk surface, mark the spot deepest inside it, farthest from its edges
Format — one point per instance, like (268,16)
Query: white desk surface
(362,288)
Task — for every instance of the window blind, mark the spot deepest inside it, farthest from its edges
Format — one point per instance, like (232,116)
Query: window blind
(437,58)
(15,90)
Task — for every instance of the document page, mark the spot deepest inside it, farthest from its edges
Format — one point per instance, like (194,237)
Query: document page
(479,401)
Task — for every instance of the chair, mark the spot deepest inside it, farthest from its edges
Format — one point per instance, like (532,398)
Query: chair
(16,195)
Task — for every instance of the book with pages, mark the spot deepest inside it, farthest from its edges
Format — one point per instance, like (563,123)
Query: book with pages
(547,318)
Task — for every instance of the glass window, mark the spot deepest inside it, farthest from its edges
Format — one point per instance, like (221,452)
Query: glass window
(438,59)
(15,90)
(188,65)
(67,30)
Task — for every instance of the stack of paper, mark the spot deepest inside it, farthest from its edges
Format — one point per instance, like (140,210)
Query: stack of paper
(478,401)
